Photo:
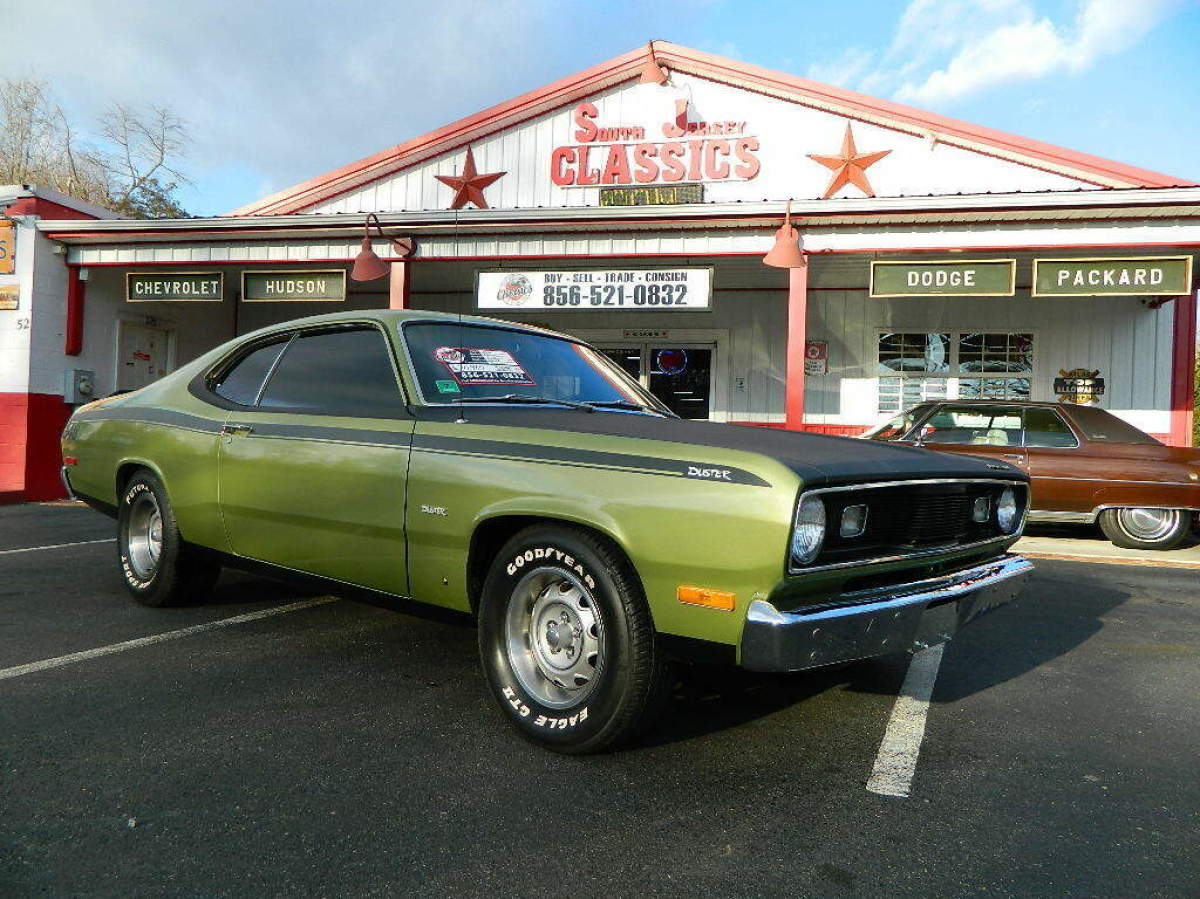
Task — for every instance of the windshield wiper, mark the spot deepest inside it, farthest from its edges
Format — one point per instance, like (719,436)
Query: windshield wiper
(626,404)
(532,400)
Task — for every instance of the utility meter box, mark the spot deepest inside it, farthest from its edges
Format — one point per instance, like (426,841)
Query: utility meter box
(80,386)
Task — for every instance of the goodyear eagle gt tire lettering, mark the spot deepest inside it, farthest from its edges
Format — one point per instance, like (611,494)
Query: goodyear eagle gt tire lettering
(158,567)
(567,641)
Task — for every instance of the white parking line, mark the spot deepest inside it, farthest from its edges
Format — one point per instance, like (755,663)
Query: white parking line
(83,656)
(31,549)
(896,761)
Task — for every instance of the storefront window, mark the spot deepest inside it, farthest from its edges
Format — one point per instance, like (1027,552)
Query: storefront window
(916,367)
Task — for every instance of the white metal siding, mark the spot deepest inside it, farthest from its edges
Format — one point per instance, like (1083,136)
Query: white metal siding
(787,132)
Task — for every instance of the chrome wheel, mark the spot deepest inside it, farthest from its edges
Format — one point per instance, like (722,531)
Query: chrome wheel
(1148,524)
(554,637)
(144,535)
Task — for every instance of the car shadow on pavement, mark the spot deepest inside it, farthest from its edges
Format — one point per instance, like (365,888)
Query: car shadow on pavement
(711,698)
(1053,616)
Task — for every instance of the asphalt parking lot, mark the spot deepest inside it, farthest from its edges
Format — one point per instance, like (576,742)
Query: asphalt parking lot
(342,749)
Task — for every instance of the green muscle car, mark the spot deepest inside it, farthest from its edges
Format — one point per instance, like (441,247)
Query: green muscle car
(518,475)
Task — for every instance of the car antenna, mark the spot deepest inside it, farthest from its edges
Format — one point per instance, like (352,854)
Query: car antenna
(462,416)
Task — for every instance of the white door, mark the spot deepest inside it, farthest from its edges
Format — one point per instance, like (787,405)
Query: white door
(143,355)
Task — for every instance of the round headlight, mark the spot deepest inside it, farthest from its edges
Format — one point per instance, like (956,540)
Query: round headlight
(809,531)
(1007,512)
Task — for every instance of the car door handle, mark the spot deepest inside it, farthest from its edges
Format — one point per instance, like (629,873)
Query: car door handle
(1012,455)
(237,429)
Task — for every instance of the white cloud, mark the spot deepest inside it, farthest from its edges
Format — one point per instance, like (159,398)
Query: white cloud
(846,70)
(944,50)
(278,91)
(1026,46)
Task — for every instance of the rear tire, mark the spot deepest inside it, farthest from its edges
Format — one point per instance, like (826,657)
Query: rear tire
(1157,529)
(567,641)
(158,567)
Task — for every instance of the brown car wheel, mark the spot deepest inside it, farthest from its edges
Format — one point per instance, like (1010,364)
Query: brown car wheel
(567,642)
(159,568)
(1146,528)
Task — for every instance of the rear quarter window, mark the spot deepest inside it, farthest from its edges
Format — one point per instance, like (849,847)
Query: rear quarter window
(1100,426)
(241,382)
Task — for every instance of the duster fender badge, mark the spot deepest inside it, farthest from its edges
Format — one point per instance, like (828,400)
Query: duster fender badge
(709,474)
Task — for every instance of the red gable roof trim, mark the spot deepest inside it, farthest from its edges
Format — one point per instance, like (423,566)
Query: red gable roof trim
(791,88)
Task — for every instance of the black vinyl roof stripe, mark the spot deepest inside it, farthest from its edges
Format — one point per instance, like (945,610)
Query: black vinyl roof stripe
(475,446)
(152,416)
(585,457)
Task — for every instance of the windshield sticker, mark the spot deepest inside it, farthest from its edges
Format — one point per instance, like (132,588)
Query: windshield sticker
(447,386)
(476,366)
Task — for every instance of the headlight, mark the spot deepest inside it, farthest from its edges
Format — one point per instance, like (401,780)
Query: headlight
(808,533)
(1007,513)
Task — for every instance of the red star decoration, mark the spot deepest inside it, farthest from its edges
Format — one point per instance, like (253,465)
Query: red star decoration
(850,167)
(468,187)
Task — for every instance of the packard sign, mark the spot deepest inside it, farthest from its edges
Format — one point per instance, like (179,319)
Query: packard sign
(956,278)
(1141,276)
(646,290)
(295,286)
(174,287)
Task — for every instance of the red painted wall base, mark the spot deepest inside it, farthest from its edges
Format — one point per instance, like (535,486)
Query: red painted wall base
(836,430)
(30,427)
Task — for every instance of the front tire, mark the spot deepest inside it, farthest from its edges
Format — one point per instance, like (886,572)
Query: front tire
(1146,528)
(567,642)
(158,567)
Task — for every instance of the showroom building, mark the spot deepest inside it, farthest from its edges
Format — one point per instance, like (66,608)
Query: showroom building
(755,247)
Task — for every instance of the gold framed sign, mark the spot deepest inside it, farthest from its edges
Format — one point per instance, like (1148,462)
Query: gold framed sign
(1137,276)
(174,287)
(944,278)
(294,286)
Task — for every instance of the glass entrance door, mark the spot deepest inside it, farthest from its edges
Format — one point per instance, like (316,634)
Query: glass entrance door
(679,375)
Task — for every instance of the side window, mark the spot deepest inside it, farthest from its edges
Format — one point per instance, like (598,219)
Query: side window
(974,426)
(343,372)
(241,383)
(1045,427)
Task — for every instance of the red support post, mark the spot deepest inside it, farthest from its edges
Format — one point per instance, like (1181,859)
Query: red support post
(398,286)
(76,294)
(1183,371)
(797,329)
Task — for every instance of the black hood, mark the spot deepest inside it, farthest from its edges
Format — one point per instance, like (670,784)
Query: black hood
(816,458)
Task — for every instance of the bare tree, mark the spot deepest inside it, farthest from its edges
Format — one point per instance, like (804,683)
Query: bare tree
(134,167)
(146,145)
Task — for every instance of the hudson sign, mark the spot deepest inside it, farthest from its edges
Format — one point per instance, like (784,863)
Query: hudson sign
(606,154)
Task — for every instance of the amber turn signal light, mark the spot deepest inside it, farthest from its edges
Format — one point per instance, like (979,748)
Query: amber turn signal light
(702,596)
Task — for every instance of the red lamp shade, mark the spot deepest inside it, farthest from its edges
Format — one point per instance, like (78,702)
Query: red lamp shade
(652,72)
(368,266)
(786,253)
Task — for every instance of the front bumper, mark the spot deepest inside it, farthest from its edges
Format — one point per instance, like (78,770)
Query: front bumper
(64,475)
(900,618)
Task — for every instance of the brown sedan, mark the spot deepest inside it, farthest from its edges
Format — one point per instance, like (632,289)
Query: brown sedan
(1085,464)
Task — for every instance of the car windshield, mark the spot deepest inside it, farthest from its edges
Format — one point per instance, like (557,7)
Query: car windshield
(896,428)
(476,363)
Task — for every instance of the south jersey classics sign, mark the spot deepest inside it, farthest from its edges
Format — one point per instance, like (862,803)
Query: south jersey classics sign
(649,290)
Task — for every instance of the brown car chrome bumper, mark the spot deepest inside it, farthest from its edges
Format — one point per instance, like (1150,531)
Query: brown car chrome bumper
(904,617)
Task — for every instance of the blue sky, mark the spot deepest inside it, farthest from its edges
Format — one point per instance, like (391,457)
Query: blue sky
(277,92)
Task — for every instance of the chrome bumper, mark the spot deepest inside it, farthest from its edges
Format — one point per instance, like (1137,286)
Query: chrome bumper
(901,618)
(66,482)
